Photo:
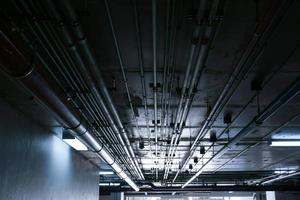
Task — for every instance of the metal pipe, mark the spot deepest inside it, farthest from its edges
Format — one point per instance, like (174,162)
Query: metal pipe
(208,33)
(141,64)
(16,65)
(165,78)
(38,27)
(280,178)
(290,92)
(93,75)
(209,188)
(247,104)
(169,67)
(260,35)
(125,80)
(61,64)
(69,76)
(257,143)
(154,81)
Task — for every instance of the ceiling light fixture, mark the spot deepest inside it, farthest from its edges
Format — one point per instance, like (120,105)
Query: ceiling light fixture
(109,184)
(284,171)
(284,143)
(106,173)
(74,142)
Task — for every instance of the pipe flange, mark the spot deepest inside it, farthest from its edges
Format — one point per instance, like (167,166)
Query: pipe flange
(118,173)
(76,128)
(99,150)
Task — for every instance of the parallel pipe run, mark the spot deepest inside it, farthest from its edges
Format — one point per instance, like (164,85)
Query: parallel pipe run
(261,35)
(15,64)
(281,177)
(170,43)
(37,54)
(287,94)
(93,76)
(141,64)
(257,143)
(180,118)
(116,43)
(155,81)
(251,100)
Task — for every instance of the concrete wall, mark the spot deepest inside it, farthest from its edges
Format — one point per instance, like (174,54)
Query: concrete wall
(287,195)
(113,196)
(35,164)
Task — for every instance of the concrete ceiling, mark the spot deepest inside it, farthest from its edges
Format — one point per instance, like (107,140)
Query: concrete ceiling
(276,66)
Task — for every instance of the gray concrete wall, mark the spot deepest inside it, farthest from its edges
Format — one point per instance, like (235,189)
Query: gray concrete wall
(287,195)
(35,164)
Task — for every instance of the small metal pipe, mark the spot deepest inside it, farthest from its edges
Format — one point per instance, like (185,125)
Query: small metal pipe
(262,34)
(155,82)
(116,44)
(286,176)
(142,75)
(204,48)
(257,143)
(289,93)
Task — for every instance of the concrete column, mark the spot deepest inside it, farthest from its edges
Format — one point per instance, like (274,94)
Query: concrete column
(270,195)
(260,196)
(289,195)
(116,196)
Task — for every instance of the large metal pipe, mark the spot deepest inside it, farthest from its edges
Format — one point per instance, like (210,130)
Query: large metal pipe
(16,65)
(93,75)
(291,91)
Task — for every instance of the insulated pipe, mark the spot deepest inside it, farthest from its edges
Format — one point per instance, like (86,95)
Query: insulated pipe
(290,92)
(260,34)
(16,65)
(93,76)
